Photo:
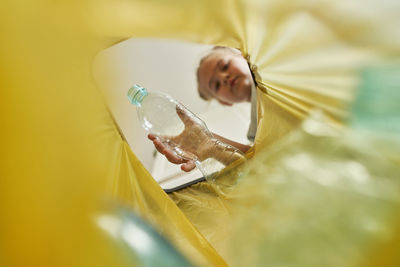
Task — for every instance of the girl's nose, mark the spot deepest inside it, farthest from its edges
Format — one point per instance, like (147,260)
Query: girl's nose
(224,77)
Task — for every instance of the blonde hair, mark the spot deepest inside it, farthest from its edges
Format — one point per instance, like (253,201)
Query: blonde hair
(203,93)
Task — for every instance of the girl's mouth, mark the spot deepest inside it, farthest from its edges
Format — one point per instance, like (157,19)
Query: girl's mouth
(233,82)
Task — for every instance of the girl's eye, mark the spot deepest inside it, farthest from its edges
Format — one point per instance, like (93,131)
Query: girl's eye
(217,85)
(225,66)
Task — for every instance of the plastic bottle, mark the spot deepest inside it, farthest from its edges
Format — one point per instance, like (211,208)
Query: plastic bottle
(181,131)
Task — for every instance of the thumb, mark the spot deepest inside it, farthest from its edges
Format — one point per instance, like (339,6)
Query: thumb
(184,115)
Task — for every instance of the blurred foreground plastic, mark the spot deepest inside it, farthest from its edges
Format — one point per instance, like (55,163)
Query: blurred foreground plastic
(321,197)
(139,240)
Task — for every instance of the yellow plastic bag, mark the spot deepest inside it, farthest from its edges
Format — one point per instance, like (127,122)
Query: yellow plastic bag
(62,154)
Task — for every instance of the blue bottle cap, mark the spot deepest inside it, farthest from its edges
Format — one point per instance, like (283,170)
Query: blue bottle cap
(136,94)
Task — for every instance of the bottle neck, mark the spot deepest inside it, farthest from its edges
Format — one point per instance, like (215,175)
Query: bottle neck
(136,94)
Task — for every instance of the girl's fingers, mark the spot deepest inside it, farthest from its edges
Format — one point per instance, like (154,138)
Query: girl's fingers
(169,154)
(188,166)
(172,157)
(159,146)
(152,137)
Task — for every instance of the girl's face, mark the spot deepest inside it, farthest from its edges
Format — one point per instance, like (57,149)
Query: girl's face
(226,77)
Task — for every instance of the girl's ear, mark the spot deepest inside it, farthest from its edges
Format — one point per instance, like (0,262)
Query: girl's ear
(224,103)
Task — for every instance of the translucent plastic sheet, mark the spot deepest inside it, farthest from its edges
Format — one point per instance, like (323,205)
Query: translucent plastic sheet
(319,199)
(62,154)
